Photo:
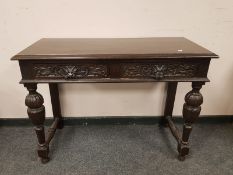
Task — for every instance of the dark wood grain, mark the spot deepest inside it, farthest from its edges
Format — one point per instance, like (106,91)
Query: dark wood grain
(114,48)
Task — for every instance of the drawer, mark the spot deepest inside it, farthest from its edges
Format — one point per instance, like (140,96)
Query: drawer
(160,70)
(70,71)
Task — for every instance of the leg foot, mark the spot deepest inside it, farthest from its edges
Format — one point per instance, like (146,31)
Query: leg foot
(183,150)
(43,153)
(44,160)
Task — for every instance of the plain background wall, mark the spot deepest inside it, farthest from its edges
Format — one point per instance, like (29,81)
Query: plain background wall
(208,23)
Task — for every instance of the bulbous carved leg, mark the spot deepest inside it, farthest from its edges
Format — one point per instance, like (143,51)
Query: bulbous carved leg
(191,111)
(36,112)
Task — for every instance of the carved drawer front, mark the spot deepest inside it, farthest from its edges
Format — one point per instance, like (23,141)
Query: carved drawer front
(160,70)
(70,71)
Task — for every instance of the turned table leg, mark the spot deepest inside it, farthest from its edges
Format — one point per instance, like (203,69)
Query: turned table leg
(170,99)
(54,94)
(191,111)
(36,112)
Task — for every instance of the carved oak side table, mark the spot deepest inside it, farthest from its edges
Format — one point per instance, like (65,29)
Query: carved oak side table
(55,61)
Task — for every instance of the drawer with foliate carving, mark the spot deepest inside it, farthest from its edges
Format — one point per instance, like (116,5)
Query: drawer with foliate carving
(69,71)
(165,70)
(64,71)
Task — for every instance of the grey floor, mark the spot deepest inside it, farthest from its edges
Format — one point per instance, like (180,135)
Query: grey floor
(118,149)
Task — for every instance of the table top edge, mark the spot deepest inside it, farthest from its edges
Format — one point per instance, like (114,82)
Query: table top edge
(114,57)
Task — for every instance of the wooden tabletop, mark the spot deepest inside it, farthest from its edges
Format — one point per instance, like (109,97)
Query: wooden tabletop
(111,48)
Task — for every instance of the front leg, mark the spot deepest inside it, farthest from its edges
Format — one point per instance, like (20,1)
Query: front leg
(36,112)
(191,111)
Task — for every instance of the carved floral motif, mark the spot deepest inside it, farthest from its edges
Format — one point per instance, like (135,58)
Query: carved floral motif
(70,71)
(127,70)
(159,70)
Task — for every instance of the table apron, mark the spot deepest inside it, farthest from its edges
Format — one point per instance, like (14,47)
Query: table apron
(69,71)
